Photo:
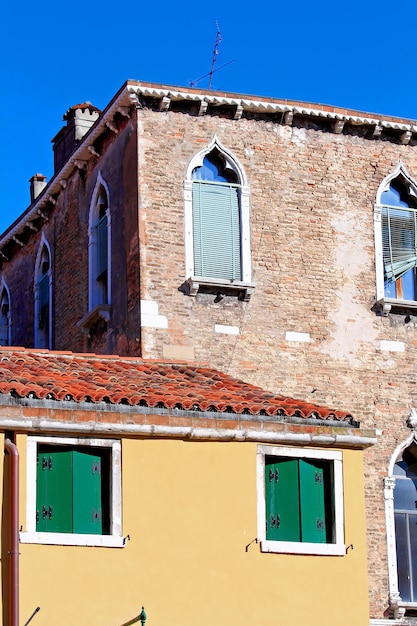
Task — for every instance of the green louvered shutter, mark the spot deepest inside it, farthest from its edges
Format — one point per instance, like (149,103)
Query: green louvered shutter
(312,501)
(87,497)
(282,499)
(216,228)
(54,490)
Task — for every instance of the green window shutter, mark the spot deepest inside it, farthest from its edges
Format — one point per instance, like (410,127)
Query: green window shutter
(282,499)
(53,490)
(312,488)
(216,230)
(87,492)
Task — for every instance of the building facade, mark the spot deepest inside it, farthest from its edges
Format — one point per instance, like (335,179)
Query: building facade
(275,241)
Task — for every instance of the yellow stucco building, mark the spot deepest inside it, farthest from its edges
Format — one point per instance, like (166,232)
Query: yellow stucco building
(213,501)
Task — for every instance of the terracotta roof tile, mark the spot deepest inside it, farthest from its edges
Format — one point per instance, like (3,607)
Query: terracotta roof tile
(126,380)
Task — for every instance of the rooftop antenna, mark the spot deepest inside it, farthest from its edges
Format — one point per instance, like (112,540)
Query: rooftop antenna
(219,39)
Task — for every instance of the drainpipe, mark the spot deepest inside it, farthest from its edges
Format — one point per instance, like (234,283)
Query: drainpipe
(10,538)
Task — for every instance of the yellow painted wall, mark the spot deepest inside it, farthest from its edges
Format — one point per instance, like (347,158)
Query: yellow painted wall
(190,510)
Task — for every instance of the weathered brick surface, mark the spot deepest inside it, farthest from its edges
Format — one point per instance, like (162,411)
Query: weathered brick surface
(312,236)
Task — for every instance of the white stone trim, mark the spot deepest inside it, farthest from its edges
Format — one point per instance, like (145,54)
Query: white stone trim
(226,330)
(391,346)
(301,337)
(149,315)
(115,538)
(290,547)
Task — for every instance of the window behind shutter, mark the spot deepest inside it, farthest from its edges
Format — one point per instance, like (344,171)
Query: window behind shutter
(54,490)
(312,488)
(282,499)
(399,240)
(216,227)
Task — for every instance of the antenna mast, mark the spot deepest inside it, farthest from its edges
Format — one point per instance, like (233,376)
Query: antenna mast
(215,53)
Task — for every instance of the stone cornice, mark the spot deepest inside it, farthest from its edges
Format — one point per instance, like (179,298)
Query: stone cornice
(136,94)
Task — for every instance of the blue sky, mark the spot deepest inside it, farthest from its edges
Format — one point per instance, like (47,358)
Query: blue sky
(360,55)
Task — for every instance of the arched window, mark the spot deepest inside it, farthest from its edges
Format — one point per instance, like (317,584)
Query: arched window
(217,225)
(5,320)
(405,512)
(43,297)
(396,241)
(400,496)
(99,247)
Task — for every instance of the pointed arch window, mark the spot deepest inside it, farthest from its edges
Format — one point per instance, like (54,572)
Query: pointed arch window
(400,495)
(43,297)
(396,240)
(217,223)
(5,319)
(99,263)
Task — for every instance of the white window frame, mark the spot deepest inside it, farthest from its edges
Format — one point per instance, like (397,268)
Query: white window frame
(385,302)
(398,606)
(38,334)
(115,539)
(233,164)
(294,547)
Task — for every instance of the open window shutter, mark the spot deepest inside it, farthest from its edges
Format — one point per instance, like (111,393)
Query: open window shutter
(87,492)
(312,487)
(54,490)
(399,240)
(282,499)
(216,225)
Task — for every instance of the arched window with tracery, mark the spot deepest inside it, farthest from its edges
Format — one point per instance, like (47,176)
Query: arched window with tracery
(5,315)
(217,224)
(396,240)
(99,247)
(43,297)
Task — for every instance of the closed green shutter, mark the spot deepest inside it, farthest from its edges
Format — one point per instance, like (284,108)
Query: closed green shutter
(312,485)
(282,499)
(54,490)
(216,229)
(87,504)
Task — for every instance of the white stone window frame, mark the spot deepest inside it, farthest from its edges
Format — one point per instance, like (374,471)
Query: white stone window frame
(398,607)
(115,538)
(4,287)
(231,163)
(388,303)
(334,457)
(93,244)
(38,334)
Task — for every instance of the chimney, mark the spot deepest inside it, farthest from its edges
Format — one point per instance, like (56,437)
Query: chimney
(37,185)
(80,119)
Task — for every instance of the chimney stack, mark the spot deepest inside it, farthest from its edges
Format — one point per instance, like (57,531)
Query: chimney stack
(37,185)
(80,119)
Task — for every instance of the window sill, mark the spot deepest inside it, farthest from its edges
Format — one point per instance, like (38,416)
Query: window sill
(69,539)
(242,289)
(101,311)
(387,304)
(294,547)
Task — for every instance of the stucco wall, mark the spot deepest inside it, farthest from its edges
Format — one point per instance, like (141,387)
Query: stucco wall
(190,511)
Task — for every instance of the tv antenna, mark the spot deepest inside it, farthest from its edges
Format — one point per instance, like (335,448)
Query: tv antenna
(219,39)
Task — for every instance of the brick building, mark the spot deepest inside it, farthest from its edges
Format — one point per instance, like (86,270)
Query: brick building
(305,283)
